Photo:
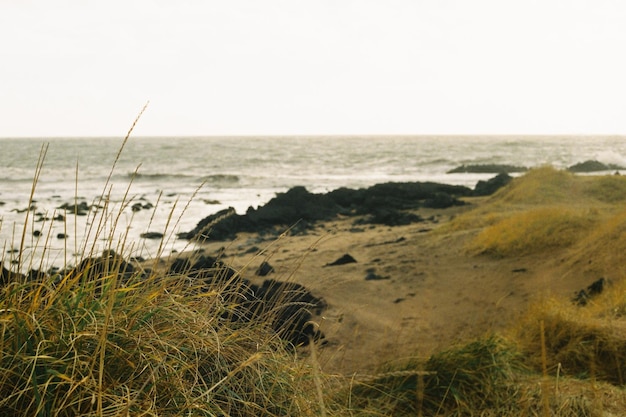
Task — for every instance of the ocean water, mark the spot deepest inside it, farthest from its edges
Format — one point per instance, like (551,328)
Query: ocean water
(186,179)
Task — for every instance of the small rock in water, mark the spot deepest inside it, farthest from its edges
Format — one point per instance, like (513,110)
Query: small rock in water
(152,235)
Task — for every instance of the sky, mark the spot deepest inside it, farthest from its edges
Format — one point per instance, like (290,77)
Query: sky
(312,67)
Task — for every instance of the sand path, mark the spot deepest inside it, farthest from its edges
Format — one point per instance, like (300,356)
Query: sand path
(432,293)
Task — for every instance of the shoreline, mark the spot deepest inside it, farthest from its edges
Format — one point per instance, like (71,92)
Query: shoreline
(413,288)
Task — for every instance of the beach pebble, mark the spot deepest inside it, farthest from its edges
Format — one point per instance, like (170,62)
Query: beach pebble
(151,235)
(345,259)
(264,269)
(373,276)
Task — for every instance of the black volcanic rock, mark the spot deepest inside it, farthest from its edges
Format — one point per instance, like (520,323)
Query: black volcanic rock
(492,185)
(223,225)
(301,208)
(390,217)
(486,169)
(593,166)
(290,307)
(101,266)
(397,195)
(583,296)
(294,205)
(287,306)
(345,259)
(264,269)
(151,235)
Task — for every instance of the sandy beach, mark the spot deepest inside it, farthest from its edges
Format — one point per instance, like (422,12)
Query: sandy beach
(413,289)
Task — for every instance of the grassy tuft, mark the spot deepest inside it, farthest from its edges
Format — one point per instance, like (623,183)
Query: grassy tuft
(485,377)
(108,338)
(532,231)
(587,342)
(155,345)
(545,185)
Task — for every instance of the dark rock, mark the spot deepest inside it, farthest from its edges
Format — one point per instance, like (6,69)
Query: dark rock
(264,269)
(287,306)
(80,209)
(441,200)
(151,235)
(141,206)
(36,275)
(252,249)
(390,217)
(295,205)
(37,233)
(108,263)
(487,169)
(373,276)
(582,297)
(593,166)
(492,185)
(290,307)
(207,268)
(298,209)
(7,276)
(223,225)
(345,259)
(61,236)
(24,210)
(398,196)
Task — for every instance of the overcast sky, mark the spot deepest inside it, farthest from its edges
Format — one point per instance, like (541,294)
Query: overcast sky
(248,67)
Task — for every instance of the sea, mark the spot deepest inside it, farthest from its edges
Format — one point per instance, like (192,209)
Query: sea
(166,185)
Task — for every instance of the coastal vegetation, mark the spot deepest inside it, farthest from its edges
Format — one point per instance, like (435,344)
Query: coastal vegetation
(101,338)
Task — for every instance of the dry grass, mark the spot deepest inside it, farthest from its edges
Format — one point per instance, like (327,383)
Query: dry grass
(94,340)
(532,231)
(97,341)
(485,377)
(581,342)
(153,346)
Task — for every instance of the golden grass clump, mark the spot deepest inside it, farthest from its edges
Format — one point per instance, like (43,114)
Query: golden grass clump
(606,188)
(485,377)
(601,252)
(582,342)
(545,185)
(532,231)
(153,346)
(541,187)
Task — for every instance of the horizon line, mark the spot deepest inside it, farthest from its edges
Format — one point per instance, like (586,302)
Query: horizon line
(304,135)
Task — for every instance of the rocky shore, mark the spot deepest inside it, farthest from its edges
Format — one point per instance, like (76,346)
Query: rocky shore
(365,272)
(383,204)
